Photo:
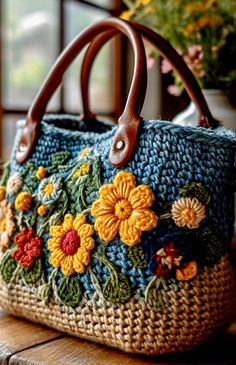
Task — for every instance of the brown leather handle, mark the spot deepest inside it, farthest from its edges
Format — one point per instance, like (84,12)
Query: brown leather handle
(167,51)
(135,99)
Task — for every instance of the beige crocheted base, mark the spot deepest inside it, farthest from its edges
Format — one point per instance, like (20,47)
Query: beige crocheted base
(191,316)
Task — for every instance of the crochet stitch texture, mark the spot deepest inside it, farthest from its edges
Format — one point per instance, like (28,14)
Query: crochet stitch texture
(93,241)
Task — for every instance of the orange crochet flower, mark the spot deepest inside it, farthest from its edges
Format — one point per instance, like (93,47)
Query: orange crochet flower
(29,247)
(23,201)
(123,208)
(41,173)
(71,244)
(188,272)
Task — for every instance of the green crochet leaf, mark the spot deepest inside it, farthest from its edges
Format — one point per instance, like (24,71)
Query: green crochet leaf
(55,219)
(7,268)
(117,291)
(44,292)
(31,276)
(59,162)
(60,158)
(136,255)
(84,190)
(5,173)
(210,248)
(196,190)
(29,170)
(70,291)
(29,178)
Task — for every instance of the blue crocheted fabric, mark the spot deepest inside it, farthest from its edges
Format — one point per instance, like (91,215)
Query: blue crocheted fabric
(75,227)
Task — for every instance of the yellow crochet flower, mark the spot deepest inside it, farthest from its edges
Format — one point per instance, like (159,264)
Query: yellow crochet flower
(188,212)
(123,208)
(71,244)
(42,210)
(83,170)
(2,193)
(7,224)
(84,152)
(41,173)
(23,201)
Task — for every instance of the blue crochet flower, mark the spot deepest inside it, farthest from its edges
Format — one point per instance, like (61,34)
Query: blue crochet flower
(50,190)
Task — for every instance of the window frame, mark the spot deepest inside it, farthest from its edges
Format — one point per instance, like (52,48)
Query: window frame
(119,65)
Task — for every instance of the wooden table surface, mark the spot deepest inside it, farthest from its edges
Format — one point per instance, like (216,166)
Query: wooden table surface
(22,342)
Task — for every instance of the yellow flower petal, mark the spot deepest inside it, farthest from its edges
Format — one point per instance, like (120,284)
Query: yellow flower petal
(141,197)
(70,263)
(84,152)
(124,183)
(109,194)
(107,227)
(79,221)
(87,242)
(86,230)
(54,243)
(2,193)
(68,222)
(56,257)
(78,266)
(83,256)
(67,265)
(100,207)
(144,219)
(57,231)
(129,234)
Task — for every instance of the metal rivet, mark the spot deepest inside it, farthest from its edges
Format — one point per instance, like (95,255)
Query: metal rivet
(22,147)
(120,145)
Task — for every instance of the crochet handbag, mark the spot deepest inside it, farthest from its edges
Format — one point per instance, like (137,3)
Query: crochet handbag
(119,235)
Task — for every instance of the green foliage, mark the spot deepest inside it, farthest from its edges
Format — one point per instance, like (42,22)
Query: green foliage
(5,173)
(196,190)
(7,268)
(70,291)
(83,191)
(44,292)
(59,162)
(136,255)
(118,289)
(31,276)
(28,175)
(210,248)
(208,24)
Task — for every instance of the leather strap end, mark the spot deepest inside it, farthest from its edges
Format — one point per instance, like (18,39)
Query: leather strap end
(125,143)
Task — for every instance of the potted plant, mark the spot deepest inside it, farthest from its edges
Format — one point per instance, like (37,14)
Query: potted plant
(204,33)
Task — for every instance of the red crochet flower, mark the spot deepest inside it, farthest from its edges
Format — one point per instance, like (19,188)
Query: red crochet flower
(166,259)
(28,247)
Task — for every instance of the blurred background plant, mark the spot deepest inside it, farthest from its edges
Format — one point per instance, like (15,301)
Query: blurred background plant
(202,31)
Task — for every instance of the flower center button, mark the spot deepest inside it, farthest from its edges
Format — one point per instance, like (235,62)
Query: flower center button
(70,243)
(123,209)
